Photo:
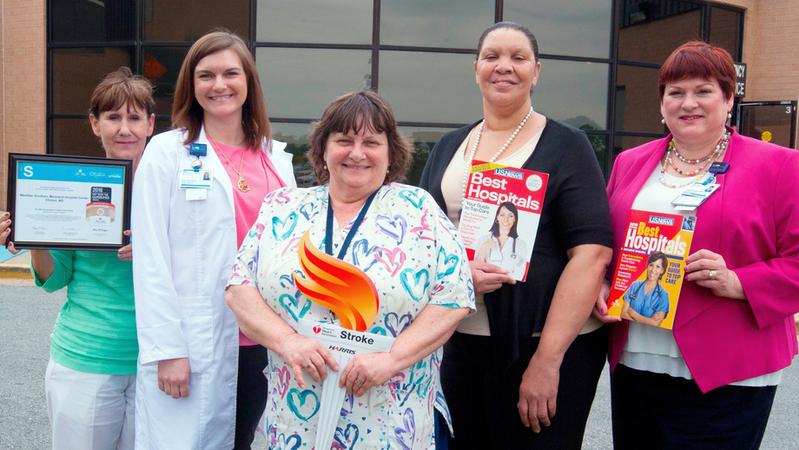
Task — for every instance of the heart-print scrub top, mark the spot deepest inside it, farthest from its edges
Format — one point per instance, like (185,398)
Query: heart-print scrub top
(412,253)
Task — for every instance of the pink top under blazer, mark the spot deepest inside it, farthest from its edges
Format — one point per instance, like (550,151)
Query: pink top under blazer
(753,222)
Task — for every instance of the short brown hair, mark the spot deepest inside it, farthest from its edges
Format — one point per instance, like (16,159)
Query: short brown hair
(187,112)
(118,88)
(352,112)
(698,59)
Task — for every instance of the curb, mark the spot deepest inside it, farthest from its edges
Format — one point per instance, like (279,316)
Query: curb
(15,272)
(15,267)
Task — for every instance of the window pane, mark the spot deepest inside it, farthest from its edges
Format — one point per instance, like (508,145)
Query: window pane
(774,122)
(187,20)
(572,27)
(162,125)
(300,83)
(637,99)
(430,87)
(600,144)
(161,66)
(321,21)
(573,92)
(75,137)
(443,23)
(77,71)
(87,21)
(725,28)
(650,31)
(627,142)
(422,140)
(296,135)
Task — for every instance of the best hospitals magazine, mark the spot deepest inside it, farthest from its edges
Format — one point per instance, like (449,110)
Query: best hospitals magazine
(488,187)
(649,232)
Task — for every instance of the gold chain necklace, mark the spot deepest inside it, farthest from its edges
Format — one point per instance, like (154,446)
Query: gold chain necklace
(241,183)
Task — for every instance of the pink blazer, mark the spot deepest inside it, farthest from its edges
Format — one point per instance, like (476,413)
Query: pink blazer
(753,222)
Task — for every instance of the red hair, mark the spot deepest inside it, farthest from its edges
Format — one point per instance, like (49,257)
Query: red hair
(698,59)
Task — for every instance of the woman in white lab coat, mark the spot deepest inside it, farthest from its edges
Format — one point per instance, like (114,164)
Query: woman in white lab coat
(198,189)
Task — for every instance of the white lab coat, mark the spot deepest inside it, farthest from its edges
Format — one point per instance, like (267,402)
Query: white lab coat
(184,257)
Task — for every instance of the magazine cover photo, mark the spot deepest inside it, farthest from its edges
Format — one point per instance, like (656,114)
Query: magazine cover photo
(500,215)
(650,267)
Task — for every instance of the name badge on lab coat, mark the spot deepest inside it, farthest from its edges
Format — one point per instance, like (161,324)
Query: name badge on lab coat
(196,183)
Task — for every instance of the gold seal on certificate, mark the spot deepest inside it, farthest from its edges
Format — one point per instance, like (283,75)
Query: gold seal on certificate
(69,202)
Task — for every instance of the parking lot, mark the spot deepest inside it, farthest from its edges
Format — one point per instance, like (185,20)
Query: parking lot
(27,315)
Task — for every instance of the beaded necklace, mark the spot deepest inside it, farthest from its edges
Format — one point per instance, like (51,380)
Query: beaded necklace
(693,175)
(690,161)
(476,143)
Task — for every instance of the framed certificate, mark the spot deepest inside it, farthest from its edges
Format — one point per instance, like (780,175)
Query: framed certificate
(69,202)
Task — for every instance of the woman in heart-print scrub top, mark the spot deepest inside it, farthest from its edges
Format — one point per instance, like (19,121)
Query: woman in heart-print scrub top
(403,243)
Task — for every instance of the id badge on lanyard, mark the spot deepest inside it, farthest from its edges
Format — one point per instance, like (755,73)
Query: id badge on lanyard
(354,229)
(196,181)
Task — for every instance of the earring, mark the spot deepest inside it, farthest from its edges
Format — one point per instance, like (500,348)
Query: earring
(663,121)
(324,167)
(729,115)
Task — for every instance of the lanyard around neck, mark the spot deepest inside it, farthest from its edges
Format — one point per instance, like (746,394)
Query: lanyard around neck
(355,225)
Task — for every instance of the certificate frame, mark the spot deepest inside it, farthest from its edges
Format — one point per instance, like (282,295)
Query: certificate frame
(47,198)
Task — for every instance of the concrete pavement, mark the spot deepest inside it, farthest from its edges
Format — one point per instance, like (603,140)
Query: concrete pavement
(27,315)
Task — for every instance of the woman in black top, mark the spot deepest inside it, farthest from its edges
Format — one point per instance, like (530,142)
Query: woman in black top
(530,349)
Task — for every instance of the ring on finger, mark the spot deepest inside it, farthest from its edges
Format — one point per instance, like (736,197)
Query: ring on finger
(711,274)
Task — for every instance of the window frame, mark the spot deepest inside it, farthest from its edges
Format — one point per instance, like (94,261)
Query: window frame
(609,133)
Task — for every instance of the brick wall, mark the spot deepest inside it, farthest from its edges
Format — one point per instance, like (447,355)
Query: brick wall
(769,51)
(22,81)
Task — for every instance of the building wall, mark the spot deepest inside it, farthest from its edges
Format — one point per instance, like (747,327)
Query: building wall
(770,54)
(23,89)
(771,57)
(3,157)
(769,49)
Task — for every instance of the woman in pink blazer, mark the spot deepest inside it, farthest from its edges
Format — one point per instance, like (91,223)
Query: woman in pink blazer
(710,381)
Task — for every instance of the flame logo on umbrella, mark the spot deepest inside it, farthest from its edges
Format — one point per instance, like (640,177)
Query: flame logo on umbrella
(338,286)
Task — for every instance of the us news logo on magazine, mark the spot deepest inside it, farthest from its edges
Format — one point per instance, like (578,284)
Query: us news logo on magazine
(500,215)
(650,268)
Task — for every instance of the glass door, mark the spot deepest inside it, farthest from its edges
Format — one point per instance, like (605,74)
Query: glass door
(768,121)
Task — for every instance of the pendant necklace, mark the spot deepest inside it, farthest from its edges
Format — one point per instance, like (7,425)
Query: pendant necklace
(473,151)
(241,183)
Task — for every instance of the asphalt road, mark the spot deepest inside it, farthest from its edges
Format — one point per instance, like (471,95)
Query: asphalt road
(27,315)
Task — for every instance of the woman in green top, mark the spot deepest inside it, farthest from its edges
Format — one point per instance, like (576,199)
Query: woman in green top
(91,377)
